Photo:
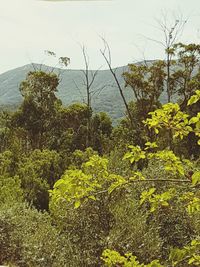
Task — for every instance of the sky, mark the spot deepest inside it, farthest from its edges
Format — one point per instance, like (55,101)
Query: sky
(29,27)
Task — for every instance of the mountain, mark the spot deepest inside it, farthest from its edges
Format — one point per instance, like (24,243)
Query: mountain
(71,89)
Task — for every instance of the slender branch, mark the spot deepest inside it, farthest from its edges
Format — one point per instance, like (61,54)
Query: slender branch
(113,72)
(161,180)
(78,89)
(147,181)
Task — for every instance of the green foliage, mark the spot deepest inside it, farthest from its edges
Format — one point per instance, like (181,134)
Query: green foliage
(194,98)
(27,238)
(196,178)
(147,82)
(69,128)
(157,200)
(37,112)
(135,155)
(10,184)
(38,172)
(133,230)
(76,186)
(112,191)
(169,117)
(78,157)
(101,129)
(171,162)
(196,122)
(178,124)
(189,254)
(113,258)
(40,88)
(183,72)
(192,202)
(10,190)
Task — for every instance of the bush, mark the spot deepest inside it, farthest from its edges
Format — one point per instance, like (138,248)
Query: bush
(27,238)
(132,231)
(38,172)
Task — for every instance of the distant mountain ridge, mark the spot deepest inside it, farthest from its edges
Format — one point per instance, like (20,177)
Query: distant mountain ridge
(71,89)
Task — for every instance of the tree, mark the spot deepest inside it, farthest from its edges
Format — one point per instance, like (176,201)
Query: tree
(40,88)
(89,79)
(101,129)
(70,128)
(38,172)
(185,79)
(147,82)
(156,194)
(113,72)
(171,32)
(5,139)
(37,112)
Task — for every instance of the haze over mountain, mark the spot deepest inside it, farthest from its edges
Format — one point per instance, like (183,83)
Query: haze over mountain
(71,89)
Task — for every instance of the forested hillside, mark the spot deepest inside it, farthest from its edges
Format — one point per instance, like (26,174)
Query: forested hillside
(71,89)
(77,191)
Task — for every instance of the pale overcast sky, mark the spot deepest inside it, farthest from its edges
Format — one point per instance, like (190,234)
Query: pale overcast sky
(28,27)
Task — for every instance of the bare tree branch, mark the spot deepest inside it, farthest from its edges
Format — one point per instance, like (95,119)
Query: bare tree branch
(108,60)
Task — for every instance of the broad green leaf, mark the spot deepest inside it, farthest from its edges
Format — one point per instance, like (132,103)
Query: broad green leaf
(196,178)
(77,204)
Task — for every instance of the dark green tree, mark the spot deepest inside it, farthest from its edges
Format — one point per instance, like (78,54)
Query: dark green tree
(37,112)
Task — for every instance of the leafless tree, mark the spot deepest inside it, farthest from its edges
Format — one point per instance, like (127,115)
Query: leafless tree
(89,77)
(171,27)
(172,32)
(106,53)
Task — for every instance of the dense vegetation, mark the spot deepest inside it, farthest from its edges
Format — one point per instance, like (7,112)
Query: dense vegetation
(70,89)
(76,191)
